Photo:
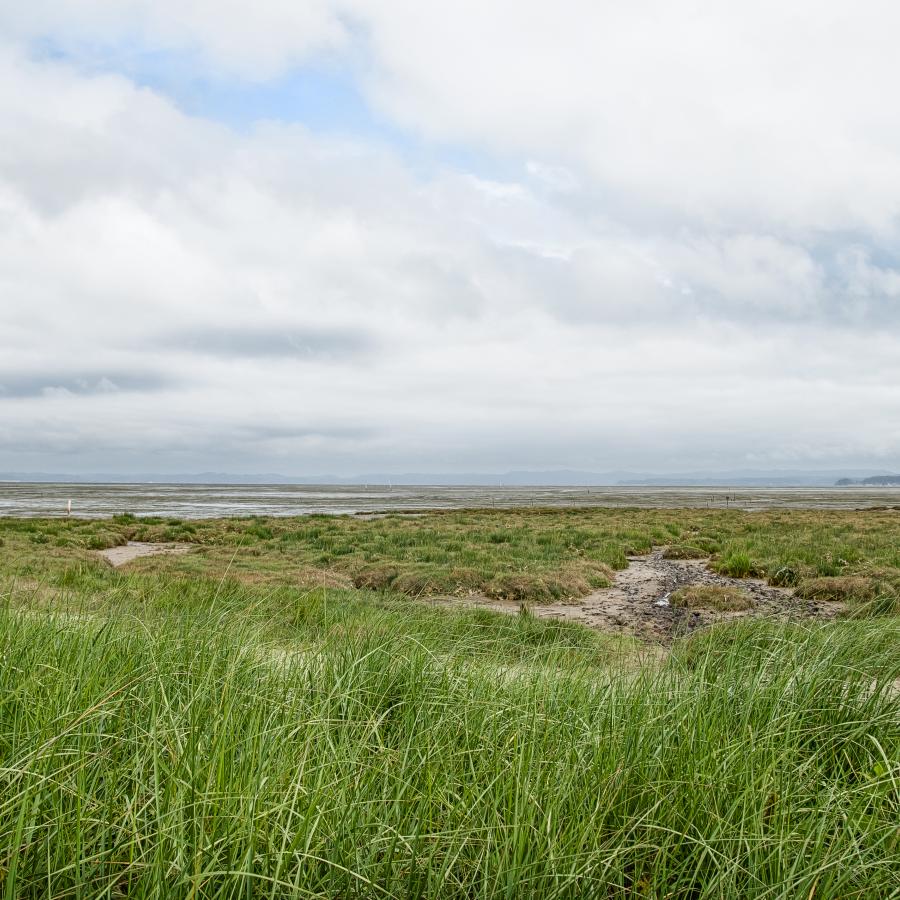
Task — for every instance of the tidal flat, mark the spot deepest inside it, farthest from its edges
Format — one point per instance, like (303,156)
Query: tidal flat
(209,501)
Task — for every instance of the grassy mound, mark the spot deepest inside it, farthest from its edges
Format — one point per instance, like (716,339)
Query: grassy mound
(841,589)
(684,551)
(860,593)
(711,596)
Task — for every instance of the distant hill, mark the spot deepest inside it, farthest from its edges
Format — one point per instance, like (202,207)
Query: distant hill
(872,480)
(546,478)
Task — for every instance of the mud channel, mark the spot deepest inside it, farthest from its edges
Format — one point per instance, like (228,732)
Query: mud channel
(638,602)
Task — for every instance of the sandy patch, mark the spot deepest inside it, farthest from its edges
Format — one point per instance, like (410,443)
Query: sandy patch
(118,556)
(638,603)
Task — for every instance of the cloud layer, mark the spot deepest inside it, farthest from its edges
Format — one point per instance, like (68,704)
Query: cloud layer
(660,236)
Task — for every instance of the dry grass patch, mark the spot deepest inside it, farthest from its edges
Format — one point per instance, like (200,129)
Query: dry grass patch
(310,577)
(853,590)
(711,596)
(569,583)
(376,577)
(520,588)
(839,589)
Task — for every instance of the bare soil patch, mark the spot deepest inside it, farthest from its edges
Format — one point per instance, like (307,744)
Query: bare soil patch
(639,603)
(118,556)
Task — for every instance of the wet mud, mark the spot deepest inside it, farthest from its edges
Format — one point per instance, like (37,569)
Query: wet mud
(638,602)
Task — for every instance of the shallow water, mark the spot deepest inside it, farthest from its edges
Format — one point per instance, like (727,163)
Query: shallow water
(198,501)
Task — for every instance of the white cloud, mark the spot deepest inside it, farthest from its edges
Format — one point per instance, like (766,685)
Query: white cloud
(687,262)
(230,37)
(767,113)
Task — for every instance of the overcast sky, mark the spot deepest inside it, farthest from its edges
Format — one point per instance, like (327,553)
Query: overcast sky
(312,236)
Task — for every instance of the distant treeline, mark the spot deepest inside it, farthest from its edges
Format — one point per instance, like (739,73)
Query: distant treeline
(880,480)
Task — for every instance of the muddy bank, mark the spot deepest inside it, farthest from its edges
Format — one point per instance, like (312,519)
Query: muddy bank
(118,556)
(638,603)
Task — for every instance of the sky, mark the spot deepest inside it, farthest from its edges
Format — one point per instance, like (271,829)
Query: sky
(345,236)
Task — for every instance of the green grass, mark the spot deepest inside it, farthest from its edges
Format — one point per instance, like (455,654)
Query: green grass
(736,564)
(193,760)
(173,729)
(531,555)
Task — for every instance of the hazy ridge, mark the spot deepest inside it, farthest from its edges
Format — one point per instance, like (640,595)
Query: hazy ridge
(524,478)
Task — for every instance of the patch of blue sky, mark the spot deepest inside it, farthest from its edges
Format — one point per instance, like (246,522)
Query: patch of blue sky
(323,98)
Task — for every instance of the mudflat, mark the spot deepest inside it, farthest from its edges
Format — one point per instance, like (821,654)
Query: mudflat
(203,501)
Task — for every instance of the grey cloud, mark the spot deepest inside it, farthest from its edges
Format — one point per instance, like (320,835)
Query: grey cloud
(246,439)
(254,433)
(339,344)
(82,384)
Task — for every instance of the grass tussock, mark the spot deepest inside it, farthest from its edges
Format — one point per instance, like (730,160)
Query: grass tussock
(861,594)
(568,583)
(711,596)
(684,551)
(840,589)
(735,564)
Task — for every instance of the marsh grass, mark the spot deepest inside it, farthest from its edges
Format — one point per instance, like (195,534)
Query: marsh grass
(215,726)
(532,555)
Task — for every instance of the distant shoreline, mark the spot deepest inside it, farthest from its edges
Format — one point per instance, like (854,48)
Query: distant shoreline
(510,478)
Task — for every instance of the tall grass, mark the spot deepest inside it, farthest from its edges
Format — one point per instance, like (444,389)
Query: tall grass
(189,759)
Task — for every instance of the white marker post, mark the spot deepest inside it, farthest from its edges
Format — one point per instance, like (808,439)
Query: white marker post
(69,508)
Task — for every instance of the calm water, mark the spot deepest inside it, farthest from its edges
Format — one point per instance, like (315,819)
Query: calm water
(197,501)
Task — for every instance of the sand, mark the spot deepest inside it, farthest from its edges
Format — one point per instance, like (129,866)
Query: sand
(118,556)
